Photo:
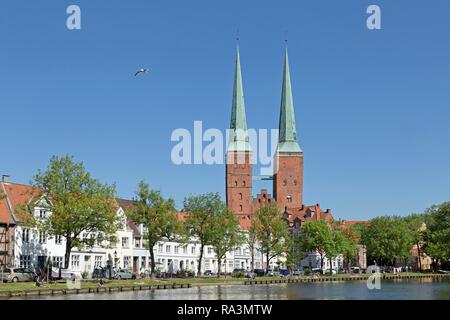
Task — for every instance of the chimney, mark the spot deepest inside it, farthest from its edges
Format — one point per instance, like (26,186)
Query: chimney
(5,178)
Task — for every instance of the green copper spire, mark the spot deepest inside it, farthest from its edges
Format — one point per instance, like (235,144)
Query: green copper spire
(238,125)
(287,140)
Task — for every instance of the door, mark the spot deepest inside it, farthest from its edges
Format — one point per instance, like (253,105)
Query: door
(135,264)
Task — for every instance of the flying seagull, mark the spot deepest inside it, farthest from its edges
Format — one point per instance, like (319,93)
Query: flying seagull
(143,70)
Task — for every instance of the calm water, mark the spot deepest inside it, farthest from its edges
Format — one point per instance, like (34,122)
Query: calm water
(422,289)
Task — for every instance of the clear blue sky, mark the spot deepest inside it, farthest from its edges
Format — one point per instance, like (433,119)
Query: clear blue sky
(372,107)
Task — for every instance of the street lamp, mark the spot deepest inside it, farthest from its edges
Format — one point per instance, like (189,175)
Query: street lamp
(115,259)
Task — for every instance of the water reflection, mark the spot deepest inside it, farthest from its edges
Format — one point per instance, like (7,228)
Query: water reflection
(420,289)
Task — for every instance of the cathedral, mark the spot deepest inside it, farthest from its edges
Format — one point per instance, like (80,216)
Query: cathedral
(288,163)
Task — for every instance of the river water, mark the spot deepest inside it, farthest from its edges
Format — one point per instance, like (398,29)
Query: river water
(416,289)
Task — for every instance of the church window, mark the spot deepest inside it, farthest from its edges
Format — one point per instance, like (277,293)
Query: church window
(240,196)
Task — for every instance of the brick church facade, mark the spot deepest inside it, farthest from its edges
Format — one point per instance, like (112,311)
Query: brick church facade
(288,163)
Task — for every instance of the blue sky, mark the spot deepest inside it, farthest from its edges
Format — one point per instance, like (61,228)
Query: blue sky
(372,107)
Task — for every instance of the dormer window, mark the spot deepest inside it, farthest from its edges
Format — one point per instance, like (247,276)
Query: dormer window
(42,214)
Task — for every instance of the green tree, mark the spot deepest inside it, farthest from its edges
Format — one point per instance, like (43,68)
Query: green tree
(199,223)
(416,228)
(158,216)
(271,232)
(80,205)
(225,233)
(387,239)
(316,236)
(252,241)
(437,234)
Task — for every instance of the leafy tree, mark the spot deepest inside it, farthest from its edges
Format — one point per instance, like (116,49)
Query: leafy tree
(416,228)
(316,236)
(80,205)
(271,232)
(199,223)
(387,239)
(251,241)
(437,234)
(225,233)
(157,215)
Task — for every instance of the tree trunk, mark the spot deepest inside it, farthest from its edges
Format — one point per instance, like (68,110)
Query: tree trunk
(152,261)
(267,261)
(199,267)
(252,261)
(67,253)
(219,266)
(331,267)
(419,256)
(321,263)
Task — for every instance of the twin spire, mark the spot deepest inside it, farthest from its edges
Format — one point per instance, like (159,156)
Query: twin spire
(287,140)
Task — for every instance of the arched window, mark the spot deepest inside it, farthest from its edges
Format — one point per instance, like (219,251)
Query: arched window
(240,196)
(243,183)
(235,183)
(240,207)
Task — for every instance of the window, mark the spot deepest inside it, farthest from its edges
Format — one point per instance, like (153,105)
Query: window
(240,196)
(125,242)
(126,262)
(168,249)
(235,183)
(137,242)
(42,214)
(289,198)
(75,262)
(184,249)
(176,249)
(207,264)
(193,250)
(209,250)
(240,207)
(160,248)
(243,183)
(57,261)
(26,235)
(42,237)
(143,262)
(230,264)
(98,261)
(25,261)
(58,239)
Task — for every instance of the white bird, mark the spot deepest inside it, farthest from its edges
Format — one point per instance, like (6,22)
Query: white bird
(143,70)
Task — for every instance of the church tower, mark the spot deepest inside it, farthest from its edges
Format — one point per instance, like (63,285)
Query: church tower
(238,158)
(288,168)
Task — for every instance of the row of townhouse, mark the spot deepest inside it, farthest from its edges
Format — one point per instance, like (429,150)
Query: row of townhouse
(31,248)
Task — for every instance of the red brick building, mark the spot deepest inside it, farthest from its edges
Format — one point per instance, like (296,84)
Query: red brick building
(288,162)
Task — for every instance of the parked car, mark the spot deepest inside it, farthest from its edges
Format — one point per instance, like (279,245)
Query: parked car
(124,274)
(259,272)
(208,273)
(356,270)
(328,271)
(298,272)
(284,272)
(18,275)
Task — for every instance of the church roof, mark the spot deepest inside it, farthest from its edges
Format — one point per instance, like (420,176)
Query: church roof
(287,140)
